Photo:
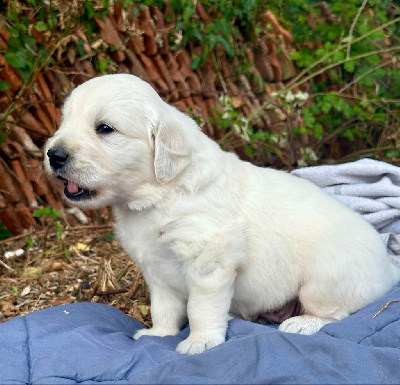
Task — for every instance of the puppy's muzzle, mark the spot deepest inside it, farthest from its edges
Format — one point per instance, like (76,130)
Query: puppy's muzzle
(58,158)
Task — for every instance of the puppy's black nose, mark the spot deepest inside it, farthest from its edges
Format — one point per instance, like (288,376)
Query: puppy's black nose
(57,157)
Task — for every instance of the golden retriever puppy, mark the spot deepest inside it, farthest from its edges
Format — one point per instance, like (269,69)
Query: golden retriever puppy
(214,236)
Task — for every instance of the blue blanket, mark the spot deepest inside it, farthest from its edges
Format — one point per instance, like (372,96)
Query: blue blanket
(92,343)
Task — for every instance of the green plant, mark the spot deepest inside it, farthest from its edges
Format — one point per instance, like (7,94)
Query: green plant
(228,18)
(349,60)
(231,120)
(26,54)
(52,214)
(348,56)
(236,125)
(4,233)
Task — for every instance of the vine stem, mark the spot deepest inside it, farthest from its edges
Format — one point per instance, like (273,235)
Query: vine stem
(353,25)
(363,75)
(328,67)
(365,152)
(339,48)
(320,71)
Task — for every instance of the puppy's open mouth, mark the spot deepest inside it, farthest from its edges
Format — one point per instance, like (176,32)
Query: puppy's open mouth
(76,193)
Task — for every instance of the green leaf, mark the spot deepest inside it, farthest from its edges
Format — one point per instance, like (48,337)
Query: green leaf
(41,26)
(393,154)
(251,151)
(32,272)
(102,65)
(4,86)
(338,56)
(46,211)
(29,242)
(89,10)
(334,31)
(325,106)
(4,233)
(380,117)
(349,66)
(15,59)
(348,134)
(80,49)
(91,27)
(196,61)
(318,131)
(373,59)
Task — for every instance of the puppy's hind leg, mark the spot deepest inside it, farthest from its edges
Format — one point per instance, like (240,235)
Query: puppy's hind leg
(317,311)
(304,324)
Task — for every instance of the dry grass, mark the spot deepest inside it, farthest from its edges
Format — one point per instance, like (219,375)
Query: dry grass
(83,264)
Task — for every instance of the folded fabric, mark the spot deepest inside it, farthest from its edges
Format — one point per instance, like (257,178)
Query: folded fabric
(363,171)
(369,187)
(89,343)
(392,242)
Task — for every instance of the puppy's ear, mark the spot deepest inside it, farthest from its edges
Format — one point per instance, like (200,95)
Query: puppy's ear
(171,154)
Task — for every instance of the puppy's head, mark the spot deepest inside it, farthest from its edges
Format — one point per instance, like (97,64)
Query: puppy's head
(117,144)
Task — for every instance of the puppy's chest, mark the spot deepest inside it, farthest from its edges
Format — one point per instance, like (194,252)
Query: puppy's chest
(141,237)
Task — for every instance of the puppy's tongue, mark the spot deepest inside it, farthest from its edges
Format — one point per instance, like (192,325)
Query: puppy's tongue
(72,187)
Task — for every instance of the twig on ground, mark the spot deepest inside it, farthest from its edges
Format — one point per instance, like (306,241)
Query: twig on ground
(6,266)
(386,306)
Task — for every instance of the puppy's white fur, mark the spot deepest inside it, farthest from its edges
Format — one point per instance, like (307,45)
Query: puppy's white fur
(214,235)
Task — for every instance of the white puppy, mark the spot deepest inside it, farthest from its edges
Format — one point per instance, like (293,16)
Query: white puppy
(213,236)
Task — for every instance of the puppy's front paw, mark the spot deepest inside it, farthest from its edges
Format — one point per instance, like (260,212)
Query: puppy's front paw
(154,332)
(196,344)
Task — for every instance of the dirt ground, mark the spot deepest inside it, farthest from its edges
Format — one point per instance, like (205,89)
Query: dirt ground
(72,264)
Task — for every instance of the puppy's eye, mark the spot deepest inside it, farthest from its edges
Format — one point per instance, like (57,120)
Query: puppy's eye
(104,129)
